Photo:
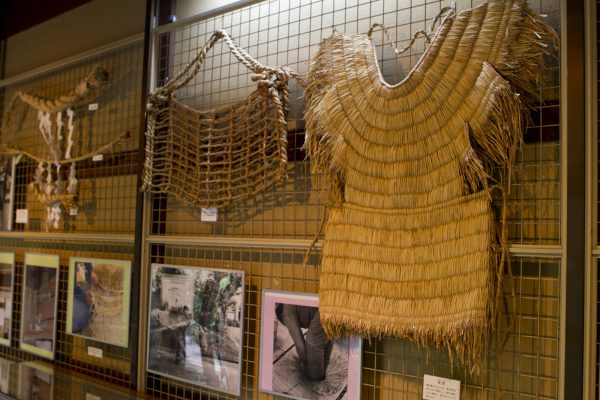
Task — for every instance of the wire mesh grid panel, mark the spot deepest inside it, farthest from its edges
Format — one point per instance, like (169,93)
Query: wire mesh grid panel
(525,366)
(74,134)
(289,33)
(264,269)
(111,363)
(528,356)
(597,327)
(87,115)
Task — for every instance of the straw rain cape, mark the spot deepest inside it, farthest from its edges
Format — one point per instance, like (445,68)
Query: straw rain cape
(410,240)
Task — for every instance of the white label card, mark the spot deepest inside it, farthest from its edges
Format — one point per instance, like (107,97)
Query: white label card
(89,396)
(209,214)
(22,216)
(95,352)
(436,388)
(93,107)
(98,157)
(73,211)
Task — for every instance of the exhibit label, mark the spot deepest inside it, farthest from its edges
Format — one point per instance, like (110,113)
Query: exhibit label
(95,352)
(209,214)
(22,216)
(436,388)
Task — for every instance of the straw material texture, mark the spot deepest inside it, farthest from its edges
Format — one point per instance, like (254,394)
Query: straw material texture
(212,158)
(89,87)
(410,241)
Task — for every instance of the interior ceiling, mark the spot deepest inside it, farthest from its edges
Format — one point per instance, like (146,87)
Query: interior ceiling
(19,15)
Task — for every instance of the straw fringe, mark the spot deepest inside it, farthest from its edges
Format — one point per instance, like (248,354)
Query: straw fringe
(462,333)
(497,126)
(411,247)
(318,139)
(524,43)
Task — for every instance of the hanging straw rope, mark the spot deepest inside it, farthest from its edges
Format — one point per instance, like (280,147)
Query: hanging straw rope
(87,88)
(219,156)
(49,184)
(13,151)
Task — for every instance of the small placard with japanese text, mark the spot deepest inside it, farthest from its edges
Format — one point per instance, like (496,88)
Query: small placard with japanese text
(436,388)
(22,216)
(94,352)
(209,214)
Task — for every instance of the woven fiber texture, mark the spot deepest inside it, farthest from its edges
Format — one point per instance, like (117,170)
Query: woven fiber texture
(212,158)
(86,89)
(55,183)
(411,243)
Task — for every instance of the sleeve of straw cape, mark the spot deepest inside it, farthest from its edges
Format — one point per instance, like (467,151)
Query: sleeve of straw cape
(410,238)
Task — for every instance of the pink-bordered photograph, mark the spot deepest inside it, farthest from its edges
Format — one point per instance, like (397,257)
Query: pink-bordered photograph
(297,359)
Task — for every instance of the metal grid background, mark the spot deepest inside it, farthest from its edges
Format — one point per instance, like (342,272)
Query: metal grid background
(16,380)
(107,194)
(71,351)
(288,33)
(107,188)
(596,378)
(597,327)
(391,368)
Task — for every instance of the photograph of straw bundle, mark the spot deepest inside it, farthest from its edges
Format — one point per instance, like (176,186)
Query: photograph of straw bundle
(98,300)
(297,359)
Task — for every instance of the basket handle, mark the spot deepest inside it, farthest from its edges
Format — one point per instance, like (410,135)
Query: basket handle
(193,67)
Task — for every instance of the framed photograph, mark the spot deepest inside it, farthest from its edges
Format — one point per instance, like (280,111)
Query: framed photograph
(7,190)
(7,276)
(297,360)
(36,381)
(195,325)
(7,372)
(38,313)
(98,300)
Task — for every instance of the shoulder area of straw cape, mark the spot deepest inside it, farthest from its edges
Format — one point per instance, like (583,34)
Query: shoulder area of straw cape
(410,247)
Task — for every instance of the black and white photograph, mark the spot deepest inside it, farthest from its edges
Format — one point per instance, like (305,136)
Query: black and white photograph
(7,264)
(196,324)
(297,358)
(38,314)
(98,299)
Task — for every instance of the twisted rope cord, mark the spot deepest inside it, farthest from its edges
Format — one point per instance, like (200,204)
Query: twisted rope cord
(12,151)
(426,34)
(220,155)
(193,67)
